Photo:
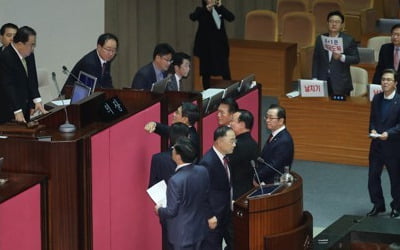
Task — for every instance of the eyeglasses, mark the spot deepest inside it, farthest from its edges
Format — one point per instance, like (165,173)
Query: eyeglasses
(109,50)
(334,21)
(387,80)
(167,60)
(271,118)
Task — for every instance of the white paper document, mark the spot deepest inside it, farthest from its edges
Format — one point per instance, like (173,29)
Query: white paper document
(158,193)
(64,102)
(210,92)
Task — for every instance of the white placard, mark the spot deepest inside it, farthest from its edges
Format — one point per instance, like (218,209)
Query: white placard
(158,193)
(313,88)
(374,89)
(334,44)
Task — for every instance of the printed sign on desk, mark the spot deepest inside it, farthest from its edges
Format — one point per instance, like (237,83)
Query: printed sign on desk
(374,89)
(334,44)
(313,88)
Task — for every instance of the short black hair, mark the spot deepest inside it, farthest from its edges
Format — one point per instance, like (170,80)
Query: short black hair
(246,117)
(23,34)
(397,25)
(335,13)
(177,130)
(106,36)
(233,106)
(281,110)
(221,132)
(191,111)
(391,71)
(178,57)
(162,49)
(184,147)
(6,26)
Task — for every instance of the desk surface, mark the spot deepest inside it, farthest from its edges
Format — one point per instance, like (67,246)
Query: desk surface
(17,183)
(329,131)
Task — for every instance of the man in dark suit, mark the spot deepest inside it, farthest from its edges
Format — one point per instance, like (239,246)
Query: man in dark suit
(245,151)
(97,62)
(187,210)
(278,151)
(180,68)
(332,66)
(220,196)
(7,33)
(19,94)
(156,70)
(225,111)
(385,144)
(188,113)
(387,56)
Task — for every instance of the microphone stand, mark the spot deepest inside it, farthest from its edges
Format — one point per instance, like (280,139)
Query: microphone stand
(67,127)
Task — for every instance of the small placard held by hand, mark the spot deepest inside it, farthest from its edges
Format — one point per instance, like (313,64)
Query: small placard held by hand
(112,108)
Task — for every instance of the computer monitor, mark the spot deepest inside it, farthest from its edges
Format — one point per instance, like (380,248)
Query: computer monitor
(246,83)
(1,162)
(161,86)
(88,80)
(231,90)
(79,92)
(213,103)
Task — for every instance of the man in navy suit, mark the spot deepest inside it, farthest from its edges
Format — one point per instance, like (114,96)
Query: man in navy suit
(386,56)
(19,93)
(187,210)
(278,150)
(156,70)
(180,68)
(385,144)
(332,66)
(97,62)
(220,186)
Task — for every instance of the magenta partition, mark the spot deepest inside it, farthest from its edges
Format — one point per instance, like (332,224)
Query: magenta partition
(123,214)
(249,101)
(20,221)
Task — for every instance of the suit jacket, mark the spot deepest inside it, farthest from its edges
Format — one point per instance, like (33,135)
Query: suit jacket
(390,147)
(211,44)
(187,206)
(17,89)
(278,153)
(242,172)
(145,77)
(339,75)
(219,195)
(91,64)
(173,84)
(162,167)
(385,62)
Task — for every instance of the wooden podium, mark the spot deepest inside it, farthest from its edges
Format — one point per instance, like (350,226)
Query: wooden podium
(267,222)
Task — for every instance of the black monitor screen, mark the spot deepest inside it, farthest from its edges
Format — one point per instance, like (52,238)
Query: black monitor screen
(79,92)
(88,80)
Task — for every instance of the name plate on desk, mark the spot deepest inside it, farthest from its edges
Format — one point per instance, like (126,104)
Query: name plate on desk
(374,89)
(313,88)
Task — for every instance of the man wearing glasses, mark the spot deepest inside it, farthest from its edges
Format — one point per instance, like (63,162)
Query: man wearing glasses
(278,150)
(384,150)
(155,70)
(97,62)
(389,55)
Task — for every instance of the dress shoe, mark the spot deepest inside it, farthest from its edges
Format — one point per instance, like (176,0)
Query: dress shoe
(376,210)
(395,213)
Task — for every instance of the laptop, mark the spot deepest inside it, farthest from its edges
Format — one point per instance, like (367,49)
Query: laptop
(213,103)
(161,86)
(79,92)
(231,90)
(246,82)
(88,80)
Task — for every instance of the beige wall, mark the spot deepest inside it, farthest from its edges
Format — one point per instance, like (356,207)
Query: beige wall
(141,24)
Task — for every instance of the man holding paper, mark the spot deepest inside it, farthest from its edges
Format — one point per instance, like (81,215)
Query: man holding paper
(334,52)
(187,213)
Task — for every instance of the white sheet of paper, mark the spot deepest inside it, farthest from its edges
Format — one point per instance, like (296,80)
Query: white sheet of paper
(60,103)
(334,44)
(158,193)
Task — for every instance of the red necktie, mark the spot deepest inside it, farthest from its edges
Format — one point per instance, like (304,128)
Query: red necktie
(270,138)
(396,58)
(228,173)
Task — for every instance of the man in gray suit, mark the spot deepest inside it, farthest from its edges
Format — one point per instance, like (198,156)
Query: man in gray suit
(332,66)
(188,213)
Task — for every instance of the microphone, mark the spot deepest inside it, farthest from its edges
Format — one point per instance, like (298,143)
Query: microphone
(68,73)
(66,127)
(253,164)
(261,160)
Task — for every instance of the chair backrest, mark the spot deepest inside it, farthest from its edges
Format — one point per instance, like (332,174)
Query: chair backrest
(286,6)
(358,5)
(376,42)
(320,9)
(359,77)
(261,25)
(299,27)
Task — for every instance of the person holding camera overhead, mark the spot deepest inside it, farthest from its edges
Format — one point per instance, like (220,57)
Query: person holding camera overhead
(211,42)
